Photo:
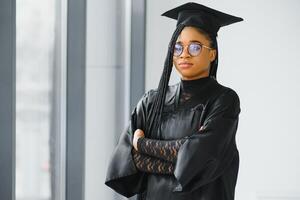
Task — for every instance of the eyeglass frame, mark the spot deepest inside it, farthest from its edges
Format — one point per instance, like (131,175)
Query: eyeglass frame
(202,45)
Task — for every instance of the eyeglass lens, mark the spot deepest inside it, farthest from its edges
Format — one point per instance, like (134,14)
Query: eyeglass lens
(194,49)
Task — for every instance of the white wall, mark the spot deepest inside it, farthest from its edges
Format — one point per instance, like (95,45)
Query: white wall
(259,58)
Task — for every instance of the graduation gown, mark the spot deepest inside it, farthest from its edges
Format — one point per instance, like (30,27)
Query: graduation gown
(207,162)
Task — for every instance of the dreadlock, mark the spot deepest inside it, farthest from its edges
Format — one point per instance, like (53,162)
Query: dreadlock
(155,113)
(214,64)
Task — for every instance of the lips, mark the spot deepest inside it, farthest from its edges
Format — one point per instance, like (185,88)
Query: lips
(185,65)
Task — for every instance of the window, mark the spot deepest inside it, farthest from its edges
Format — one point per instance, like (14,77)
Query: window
(39,108)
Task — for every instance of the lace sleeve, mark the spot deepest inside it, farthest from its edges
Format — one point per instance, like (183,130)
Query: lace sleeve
(151,164)
(163,149)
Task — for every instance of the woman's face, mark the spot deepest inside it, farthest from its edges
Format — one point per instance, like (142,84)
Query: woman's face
(193,67)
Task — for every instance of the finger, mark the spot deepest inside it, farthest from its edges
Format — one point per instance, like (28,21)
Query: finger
(201,128)
(139,132)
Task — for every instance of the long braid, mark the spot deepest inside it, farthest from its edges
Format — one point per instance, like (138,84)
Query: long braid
(154,117)
(214,66)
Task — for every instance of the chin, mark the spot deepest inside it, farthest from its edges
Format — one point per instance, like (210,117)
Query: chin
(187,75)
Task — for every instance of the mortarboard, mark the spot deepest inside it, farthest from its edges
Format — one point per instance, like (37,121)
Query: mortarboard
(208,19)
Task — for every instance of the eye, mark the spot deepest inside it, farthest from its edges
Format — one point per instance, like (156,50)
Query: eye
(177,49)
(194,49)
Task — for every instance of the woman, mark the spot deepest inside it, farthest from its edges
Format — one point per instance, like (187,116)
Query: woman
(180,143)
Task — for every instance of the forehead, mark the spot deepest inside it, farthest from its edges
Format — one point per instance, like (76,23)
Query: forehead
(192,34)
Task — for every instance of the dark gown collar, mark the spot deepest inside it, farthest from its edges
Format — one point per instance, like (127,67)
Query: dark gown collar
(192,86)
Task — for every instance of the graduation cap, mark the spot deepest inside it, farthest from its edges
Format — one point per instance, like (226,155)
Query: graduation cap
(190,14)
(198,15)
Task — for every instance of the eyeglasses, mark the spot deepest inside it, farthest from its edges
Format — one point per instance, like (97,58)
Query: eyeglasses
(194,48)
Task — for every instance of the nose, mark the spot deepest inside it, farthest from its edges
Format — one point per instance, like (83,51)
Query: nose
(185,53)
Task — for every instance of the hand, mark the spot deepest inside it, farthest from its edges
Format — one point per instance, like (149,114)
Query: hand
(137,134)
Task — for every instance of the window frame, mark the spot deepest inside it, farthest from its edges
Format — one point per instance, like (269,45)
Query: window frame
(8,98)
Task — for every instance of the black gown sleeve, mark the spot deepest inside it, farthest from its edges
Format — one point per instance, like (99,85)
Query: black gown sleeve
(206,153)
(163,149)
(122,174)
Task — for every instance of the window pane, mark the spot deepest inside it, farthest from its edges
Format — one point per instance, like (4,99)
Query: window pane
(37,102)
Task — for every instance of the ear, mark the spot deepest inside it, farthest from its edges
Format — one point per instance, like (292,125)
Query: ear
(212,55)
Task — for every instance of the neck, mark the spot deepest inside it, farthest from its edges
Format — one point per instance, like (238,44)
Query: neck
(194,84)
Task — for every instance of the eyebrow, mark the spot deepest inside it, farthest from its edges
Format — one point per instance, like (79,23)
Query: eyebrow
(191,41)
